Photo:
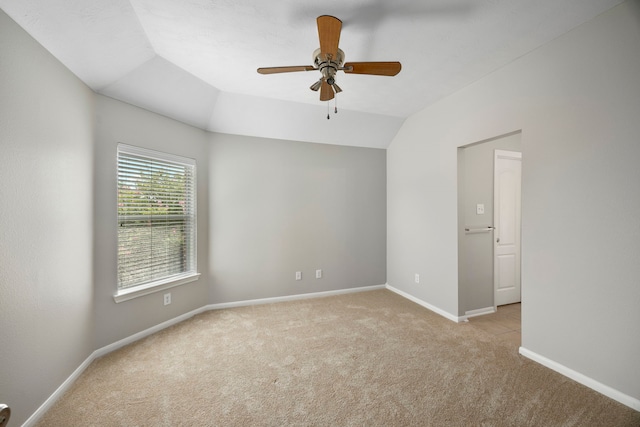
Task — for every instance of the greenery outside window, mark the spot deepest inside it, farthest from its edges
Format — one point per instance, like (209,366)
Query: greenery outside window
(156,221)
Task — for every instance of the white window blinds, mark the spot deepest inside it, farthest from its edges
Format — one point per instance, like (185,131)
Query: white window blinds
(156,217)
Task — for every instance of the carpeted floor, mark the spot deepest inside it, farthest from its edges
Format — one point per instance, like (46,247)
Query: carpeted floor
(364,359)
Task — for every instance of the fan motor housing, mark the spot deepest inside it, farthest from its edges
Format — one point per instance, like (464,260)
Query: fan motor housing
(328,66)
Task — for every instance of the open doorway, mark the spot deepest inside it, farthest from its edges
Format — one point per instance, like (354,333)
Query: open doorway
(480,246)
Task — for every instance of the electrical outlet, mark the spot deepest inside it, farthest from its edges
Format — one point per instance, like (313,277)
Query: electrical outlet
(318,274)
(167,298)
(298,275)
(417,278)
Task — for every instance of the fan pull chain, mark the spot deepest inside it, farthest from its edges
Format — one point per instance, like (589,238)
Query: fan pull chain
(335,107)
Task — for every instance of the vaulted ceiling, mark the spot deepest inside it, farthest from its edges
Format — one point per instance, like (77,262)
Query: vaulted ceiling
(196,60)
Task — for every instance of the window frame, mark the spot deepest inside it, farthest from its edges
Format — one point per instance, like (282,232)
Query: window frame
(167,282)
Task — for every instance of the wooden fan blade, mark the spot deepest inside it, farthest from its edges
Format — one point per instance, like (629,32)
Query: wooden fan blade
(326,92)
(374,68)
(275,70)
(329,28)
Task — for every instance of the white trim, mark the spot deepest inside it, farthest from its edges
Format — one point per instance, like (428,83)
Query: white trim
(143,334)
(187,276)
(480,312)
(614,394)
(154,154)
(66,385)
(48,404)
(441,312)
(292,297)
(149,288)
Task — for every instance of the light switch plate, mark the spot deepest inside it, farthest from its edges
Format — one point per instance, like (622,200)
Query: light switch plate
(480,209)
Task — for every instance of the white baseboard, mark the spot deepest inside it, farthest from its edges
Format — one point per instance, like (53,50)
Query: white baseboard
(614,394)
(291,297)
(479,312)
(441,312)
(143,334)
(576,376)
(99,353)
(48,404)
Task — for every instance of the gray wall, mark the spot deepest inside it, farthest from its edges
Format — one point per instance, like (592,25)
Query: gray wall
(475,185)
(577,102)
(278,207)
(119,122)
(46,222)
(266,208)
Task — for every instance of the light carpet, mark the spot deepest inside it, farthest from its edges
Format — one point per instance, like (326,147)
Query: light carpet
(364,359)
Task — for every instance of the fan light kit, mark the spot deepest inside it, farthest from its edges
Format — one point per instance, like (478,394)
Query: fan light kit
(329,59)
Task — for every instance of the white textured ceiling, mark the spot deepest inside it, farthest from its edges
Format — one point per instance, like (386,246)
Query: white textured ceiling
(196,60)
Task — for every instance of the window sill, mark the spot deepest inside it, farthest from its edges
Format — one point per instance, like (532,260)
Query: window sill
(149,288)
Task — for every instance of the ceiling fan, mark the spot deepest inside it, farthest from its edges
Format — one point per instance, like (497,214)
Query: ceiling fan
(329,59)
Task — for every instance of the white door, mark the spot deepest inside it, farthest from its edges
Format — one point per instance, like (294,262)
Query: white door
(506,211)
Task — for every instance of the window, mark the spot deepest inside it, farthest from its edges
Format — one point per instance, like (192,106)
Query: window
(156,221)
